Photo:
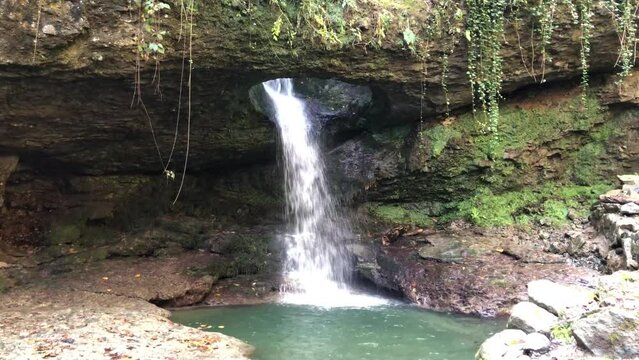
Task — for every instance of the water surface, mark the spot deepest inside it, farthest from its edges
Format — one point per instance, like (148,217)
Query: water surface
(294,332)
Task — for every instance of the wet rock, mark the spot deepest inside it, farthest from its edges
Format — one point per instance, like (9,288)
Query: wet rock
(536,343)
(505,344)
(629,209)
(610,331)
(531,318)
(334,103)
(7,166)
(452,254)
(49,29)
(616,91)
(485,282)
(561,300)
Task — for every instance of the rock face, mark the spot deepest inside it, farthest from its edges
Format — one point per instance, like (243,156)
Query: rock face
(615,216)
(66,113)
(85,61)
(480,279)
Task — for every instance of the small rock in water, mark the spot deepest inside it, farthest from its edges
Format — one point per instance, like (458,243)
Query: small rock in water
(505,344)
(629,209)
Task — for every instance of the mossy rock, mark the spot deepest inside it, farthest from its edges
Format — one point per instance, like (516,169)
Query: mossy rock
(392,214)
(6,283)
(549,204)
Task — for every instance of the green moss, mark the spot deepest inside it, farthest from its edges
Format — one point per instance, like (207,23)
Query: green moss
(549,204)
(399,214)
(393,136)
(97,236)
(555,212)
(520,126)
(5,284)
(66,233)
(439,136)
(541,139)
(562,332)
(244,255)
(586,165)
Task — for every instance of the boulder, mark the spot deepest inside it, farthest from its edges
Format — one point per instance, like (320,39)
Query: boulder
(537,343)
(507,344)
(531,318)
(609,332)
(563,301)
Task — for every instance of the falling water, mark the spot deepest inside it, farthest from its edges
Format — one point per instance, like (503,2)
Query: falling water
(317,264)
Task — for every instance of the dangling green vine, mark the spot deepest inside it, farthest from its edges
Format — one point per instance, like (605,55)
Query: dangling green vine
(545,12)
(484,32)
(585,24)
(625,16)
(446,29)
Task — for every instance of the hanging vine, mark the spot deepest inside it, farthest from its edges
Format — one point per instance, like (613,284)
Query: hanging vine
(625,16)
(484,32)
(545,12)
(585,25)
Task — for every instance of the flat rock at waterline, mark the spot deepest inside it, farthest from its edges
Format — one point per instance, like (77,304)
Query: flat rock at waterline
(449,249)
(84,325)
(531,318)
(561,300)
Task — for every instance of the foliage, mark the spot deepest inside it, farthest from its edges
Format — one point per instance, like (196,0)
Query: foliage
(585,24)
(625,16)
(337,23)
(484,33)
(562,332)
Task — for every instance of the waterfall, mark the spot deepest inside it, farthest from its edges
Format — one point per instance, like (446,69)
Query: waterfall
(317,265)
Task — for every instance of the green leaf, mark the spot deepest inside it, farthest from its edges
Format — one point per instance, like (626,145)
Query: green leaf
(409,37)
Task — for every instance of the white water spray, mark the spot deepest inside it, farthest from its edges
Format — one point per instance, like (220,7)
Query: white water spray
(317,264)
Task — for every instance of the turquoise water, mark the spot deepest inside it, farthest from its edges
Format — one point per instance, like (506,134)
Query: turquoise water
(294,332)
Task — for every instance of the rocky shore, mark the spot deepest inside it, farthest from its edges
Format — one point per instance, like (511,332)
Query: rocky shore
(42,323)
(597,320)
